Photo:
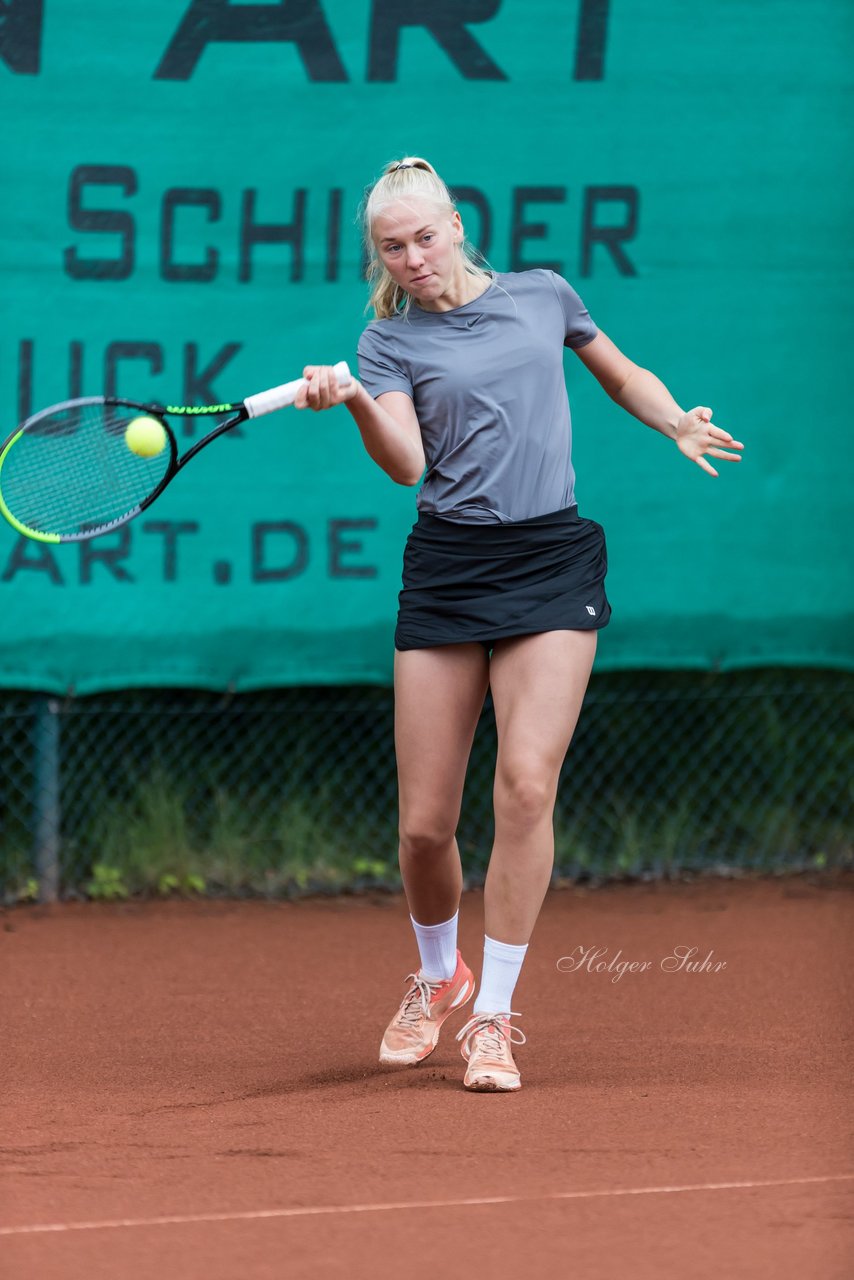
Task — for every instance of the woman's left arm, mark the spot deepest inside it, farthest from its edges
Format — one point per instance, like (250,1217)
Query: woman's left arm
(641,394)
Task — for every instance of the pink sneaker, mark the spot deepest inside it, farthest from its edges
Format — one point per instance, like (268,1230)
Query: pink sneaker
(487,1048)
(413,1032)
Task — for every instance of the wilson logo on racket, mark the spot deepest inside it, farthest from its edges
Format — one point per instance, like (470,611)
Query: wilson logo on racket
(188,410)
(86,466)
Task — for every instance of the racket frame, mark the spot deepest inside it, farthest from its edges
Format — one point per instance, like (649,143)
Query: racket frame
(254,406)
(114,402)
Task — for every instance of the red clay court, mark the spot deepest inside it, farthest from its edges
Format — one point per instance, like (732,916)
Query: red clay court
(192,1091)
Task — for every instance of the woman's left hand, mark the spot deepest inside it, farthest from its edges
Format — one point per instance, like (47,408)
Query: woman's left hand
(697,435)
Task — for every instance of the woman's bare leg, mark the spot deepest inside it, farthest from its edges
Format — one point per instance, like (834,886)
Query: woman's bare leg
(538,685)
(439,696)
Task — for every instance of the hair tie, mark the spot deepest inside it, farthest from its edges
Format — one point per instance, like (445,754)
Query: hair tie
(404,164)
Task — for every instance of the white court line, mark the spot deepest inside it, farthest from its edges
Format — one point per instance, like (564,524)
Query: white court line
(255,1214)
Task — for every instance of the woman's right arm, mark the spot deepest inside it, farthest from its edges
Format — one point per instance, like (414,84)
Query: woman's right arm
(388,425)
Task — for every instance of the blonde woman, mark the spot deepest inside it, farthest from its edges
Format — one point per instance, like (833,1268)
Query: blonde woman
(461,377)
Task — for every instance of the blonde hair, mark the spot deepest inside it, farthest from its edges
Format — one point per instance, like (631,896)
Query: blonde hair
(410,177)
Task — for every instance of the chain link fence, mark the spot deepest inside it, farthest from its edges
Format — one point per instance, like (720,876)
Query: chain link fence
(294,790)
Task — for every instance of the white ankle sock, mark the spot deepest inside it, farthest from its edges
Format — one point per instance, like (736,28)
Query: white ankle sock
(501,964)
(437,946)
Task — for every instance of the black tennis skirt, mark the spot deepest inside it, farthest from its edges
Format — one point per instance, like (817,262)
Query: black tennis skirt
(485,582)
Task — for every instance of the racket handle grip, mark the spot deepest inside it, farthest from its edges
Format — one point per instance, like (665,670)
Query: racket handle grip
(279,397)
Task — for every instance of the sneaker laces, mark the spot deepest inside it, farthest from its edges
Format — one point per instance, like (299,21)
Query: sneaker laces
(416,1002)
(493,1031)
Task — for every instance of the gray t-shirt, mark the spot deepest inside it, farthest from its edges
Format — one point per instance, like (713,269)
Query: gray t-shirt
(488,387)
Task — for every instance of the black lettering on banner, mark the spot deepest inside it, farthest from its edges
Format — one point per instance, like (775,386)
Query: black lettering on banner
(21,35)
(171,531)
(118,351)
(252,233)
(94,552)
(446,20)
(174,198)
(39,561)
(25,378)
(25,375)
(198,383)
(473,195)
(100,220)
(339,547)
(261,572)
(592,39)
(333,233)
(610,236)
(521,230)
(301,22)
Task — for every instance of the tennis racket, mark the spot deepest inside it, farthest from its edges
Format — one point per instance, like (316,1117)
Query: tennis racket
(69,473)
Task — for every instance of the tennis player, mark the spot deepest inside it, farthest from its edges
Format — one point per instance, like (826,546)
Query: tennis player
(462,382)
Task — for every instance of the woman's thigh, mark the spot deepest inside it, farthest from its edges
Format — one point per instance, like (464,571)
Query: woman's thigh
(438,698)
(538,685)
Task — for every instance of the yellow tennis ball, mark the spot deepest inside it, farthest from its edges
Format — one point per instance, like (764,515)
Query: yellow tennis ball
(145,437)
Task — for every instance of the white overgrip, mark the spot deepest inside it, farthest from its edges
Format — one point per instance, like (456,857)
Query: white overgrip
(280,397)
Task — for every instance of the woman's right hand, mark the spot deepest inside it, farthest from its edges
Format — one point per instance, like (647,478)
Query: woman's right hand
(322,390)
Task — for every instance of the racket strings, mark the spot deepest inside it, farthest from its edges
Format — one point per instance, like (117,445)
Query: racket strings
(72,471)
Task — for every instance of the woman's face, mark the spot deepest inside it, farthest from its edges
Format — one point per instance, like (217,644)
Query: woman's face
(418,243)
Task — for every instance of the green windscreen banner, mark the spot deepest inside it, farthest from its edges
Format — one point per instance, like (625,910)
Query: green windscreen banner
(181,182)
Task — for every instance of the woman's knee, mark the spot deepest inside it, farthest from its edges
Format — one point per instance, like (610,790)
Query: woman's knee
(422,836)
(524,795)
